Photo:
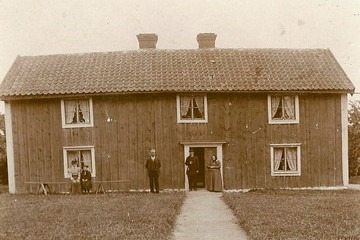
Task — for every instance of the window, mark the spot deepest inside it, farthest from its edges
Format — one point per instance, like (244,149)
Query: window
(283,109)
(77,113)
(285,159)
(191,108)
(81,156)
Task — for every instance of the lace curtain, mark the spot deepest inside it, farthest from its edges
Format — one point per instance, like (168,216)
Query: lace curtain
(70,111)
(278,154)
(77,111)
(84,111)
(86,158)
(275,105)
(199,100)
(289,106)
(291,158)
(184,105)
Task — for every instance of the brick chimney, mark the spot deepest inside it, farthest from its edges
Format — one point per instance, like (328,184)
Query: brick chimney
(206,40)
(147,40)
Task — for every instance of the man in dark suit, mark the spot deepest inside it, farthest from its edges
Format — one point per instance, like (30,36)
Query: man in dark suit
(192,163)
(153,167)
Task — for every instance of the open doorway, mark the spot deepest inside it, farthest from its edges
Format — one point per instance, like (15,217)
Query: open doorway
(204,153)
(199,152)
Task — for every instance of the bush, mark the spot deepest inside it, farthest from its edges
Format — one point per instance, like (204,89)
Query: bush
(354,138)
(3,163)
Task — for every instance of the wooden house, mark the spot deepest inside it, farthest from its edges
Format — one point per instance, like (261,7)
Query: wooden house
(275,118)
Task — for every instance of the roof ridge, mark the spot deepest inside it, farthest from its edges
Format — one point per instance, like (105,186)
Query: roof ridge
(173,50)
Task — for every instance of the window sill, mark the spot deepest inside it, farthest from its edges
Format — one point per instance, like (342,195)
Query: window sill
(284,122)
(285,174)
(192,121)
(77,125)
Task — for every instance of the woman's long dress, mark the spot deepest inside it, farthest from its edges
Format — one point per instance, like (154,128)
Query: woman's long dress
(214,182)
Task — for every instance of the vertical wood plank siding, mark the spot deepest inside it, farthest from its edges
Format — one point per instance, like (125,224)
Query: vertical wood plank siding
(127,126)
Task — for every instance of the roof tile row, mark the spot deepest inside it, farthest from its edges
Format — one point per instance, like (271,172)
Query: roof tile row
(176,71)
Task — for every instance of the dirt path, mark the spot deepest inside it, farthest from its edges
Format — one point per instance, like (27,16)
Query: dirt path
(204,215)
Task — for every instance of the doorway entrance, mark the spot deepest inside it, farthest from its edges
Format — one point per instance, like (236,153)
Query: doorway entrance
(203,151)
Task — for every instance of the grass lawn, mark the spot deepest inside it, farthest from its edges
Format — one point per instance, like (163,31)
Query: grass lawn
(116,216)
(297,214)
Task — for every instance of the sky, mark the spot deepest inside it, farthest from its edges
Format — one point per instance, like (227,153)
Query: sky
(43,27)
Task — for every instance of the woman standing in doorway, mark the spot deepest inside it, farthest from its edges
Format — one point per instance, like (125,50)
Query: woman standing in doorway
(214,182)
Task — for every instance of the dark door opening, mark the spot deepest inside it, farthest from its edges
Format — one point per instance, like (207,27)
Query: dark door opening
(204,156)
(199,152)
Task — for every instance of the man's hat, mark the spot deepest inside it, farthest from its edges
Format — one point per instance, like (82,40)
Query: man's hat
(191,150)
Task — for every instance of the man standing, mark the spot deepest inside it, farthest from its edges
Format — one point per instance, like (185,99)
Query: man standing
(153,167)
(192,163)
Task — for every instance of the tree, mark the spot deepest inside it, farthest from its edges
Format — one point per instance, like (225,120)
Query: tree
(3,162)
(354,137)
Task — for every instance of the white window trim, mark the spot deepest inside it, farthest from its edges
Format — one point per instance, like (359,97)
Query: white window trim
(287,173)
(79,148)
(286,121)
(179,120)
(77,125)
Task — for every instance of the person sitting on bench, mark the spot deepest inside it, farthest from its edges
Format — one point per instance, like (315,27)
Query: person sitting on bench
(86,180)
(74,172)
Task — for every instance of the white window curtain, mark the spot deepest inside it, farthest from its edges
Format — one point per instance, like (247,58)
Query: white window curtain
(275,104)
(70,111)
(86,158)
(84,111)
(184,105)
(289,106)
(278,153)
(291,158)
(200,103)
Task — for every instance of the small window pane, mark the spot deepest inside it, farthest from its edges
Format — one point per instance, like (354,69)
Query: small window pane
(84,111)
(192,107)
(81,158)
(85,156)
(283,108)
(278,159)
(276,107)
(198,106)
(291,158)
(289,107)
(70,112)
(185,107)
(73,156)
(77,111)
(285,160)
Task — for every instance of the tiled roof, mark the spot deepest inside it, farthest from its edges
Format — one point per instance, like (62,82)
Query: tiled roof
(176,71)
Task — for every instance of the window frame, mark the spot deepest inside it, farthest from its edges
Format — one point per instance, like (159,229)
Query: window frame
(283,121)
(79,148)
(77,125)
(178,111)
(298,160)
